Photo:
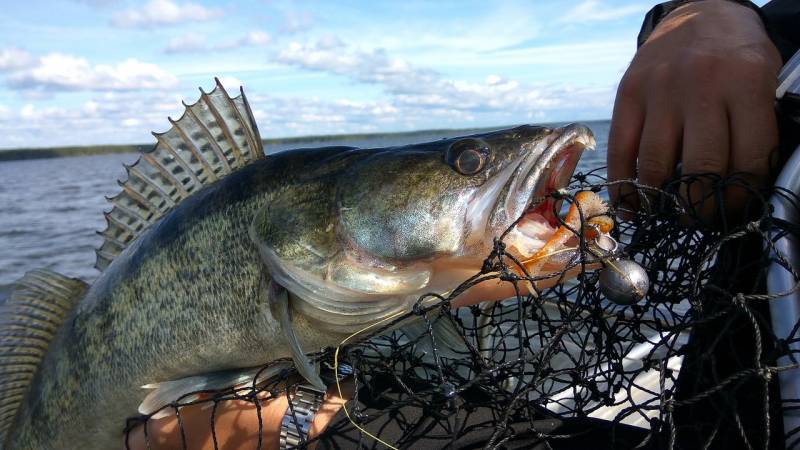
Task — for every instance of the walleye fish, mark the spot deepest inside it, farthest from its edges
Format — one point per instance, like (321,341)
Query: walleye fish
(206,226)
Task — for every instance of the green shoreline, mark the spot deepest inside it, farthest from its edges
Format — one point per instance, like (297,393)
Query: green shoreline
(69,151)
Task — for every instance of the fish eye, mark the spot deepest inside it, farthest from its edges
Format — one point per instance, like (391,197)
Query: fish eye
(468,156)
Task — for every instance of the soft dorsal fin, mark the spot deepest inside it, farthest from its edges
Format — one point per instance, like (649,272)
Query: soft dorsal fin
(214,137)
(28,321)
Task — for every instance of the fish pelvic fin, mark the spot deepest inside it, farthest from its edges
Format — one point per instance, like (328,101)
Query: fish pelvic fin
(214,137)
(190,389)
(38,306)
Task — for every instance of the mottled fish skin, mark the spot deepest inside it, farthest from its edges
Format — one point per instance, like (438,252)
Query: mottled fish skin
(186,297)
(183,299)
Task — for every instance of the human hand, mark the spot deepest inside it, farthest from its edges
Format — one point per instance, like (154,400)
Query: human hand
(699,91)
(236,424)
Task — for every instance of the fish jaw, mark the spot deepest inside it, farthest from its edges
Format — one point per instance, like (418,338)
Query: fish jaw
(550,171)
(535,223)
(548,254)
(587,217)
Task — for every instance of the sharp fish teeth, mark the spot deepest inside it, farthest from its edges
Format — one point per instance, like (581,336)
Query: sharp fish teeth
(535,228)
(530,234)
(524,243)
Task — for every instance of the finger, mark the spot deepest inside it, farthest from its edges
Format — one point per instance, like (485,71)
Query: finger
(754,137)
(623,137)
(660,145)
(706,148)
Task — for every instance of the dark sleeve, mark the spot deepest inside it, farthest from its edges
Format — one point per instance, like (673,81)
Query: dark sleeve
(781,19)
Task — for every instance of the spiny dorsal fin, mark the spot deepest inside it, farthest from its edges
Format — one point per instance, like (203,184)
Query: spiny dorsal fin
(214,137)
(28,321)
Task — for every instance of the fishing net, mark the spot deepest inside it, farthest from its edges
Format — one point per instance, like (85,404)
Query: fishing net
(692,365)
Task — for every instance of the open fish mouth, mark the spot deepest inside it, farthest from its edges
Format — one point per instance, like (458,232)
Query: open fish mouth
(552,171)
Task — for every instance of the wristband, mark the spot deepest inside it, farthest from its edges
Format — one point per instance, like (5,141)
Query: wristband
(299,416)
(658,12)
(303,406)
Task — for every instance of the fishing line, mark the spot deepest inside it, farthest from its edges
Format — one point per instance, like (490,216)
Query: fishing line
(336,370)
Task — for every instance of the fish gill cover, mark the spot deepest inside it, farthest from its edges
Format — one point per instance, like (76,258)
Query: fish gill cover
(693,364)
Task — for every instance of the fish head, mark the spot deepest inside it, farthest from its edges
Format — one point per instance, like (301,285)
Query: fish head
(392,224)
(451,198)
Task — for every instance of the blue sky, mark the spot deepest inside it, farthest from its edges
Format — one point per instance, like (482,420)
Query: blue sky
(76,72)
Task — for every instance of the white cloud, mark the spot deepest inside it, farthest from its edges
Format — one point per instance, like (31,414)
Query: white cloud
(97,3)
(231,84)
(196,43)
(114,118)
(128,117)
(409,86)
(253,38)
(61,72)
(595,11)
(14,58)
(414,97)
(164,12)
(188,43)
(257,38)
(297,21)
(131,122)
(368,66)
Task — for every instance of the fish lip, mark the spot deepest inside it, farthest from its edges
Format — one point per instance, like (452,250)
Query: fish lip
(518,184)
(535,223)
(568,142)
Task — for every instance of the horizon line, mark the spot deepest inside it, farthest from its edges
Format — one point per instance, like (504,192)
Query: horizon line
(302,138)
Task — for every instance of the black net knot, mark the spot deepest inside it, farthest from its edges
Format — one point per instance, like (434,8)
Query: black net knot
(506,275)
(754,226)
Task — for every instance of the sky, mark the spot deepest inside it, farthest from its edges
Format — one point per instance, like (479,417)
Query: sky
(89,72)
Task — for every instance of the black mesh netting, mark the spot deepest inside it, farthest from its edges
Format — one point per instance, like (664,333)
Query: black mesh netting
(692,365)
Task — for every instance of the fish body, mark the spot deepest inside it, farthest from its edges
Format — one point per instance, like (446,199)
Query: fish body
(184,299)
(354,235)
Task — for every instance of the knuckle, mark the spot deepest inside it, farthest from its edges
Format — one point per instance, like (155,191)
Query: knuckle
(758,59)
(652,170)
(629,86)
(703,164)
(662,74)
(754,165)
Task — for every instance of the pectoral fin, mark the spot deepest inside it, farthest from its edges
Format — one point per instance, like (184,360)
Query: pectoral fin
(278,299)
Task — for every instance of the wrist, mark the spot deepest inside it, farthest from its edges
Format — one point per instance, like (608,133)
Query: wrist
(291,427)
(666,11)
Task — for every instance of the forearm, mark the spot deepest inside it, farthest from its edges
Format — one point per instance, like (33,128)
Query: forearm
(783,20)
(236,424)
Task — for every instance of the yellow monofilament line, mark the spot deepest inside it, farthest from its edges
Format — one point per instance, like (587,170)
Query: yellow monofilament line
(336,373)
(547,255)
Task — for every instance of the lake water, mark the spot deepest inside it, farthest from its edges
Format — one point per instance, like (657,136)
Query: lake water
(51,208)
